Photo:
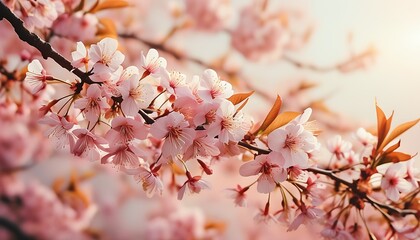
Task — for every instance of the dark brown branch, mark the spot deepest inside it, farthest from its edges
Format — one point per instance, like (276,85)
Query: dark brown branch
(391,210)
(16,232)
(43,47)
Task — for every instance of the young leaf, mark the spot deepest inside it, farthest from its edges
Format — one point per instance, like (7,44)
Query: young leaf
(239,97)
(395,157)
(383,126)
(106,28)
(242,106)
(398,131)
(271,115)
(109,4)
(392,148)
(281,120)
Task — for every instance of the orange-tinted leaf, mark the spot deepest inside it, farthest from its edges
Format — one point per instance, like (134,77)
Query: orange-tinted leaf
(109,4)
(106,28)
(392,148)
(271,116)
(80,6)
(242,105)
(281,120)
(395,157)
(239,97)
(398,131)
(381,123)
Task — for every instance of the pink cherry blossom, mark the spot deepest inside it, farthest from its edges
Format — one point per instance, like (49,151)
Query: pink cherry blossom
(106,58)
(393,181)
(152,63)
(193,184)
(270,169)
(336,230)
(77,26)
(338,146)
(41,13)
(202,146)
(148,177)
(124,130)
(213,87)
(209,15)
(87,144)
(135,94)
(122,156)
(238,195)
(229,125)
(294,143)
(261,33)
(80,57)
(413,173)
(305,215)
(92,104)
(36,77)
(60,130)
(172,80)
(365,137)
(176,132)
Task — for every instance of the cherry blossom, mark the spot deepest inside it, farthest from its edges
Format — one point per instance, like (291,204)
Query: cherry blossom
(193,184)
(209,15)
(80,57)
(393,181)
(294,143)
(148,177)
(305,215)
(36,77)
(229,125)
(238,195)
(135,94)
(122,156)
(92,104)
(176,132)
(213,87)
(270,169)
(172,80)
(124,129)
(365,137)
(152,63)
(88,145)
(338,146)
(60,130)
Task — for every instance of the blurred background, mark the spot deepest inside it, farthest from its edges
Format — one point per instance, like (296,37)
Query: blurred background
(338,57)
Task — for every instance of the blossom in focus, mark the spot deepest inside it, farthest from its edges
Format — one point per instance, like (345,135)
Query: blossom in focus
(92,104)
(271,171)
(229,125)
(294,143)
(80,57)
(148,177)
(393,181)
(213,87)
(176,132)
(87,144)
(135,94)
(125,129)
(122,156)
(36,77)
(60,130)
(152,63)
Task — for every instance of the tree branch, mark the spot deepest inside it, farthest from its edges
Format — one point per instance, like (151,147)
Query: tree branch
(43,47)
(14,229)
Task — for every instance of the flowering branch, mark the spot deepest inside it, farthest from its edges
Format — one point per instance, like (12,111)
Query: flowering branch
(35,41)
